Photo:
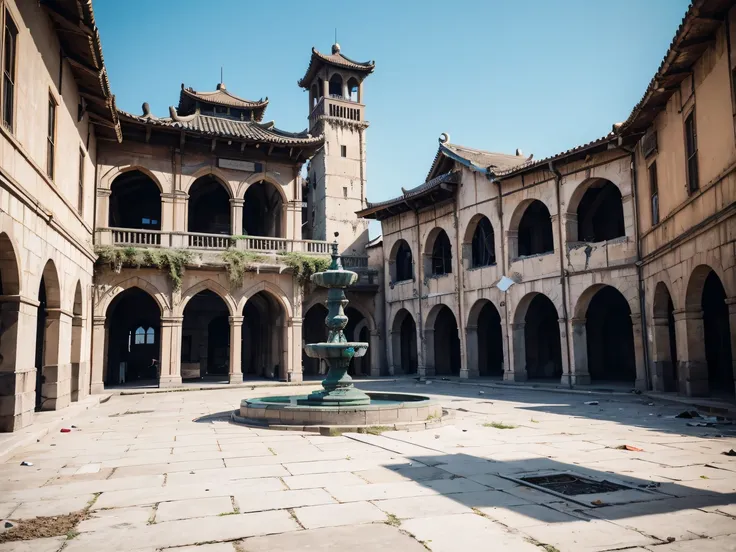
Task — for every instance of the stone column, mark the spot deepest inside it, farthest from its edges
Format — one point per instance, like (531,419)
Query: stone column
(167,212)
(181,203)
(360,92)
(236,349)
(517,372)
(17,370)
(641,366)
(99,348)
(103,207)
(374,347)
(56,373)
(170,358)
(731,302)
(662,369)
(556,238)
(571,227)
(579,372)
(236,213)
(512,238)
(471,344)
(345,91)
(292,344)
(428,346)
(692,367)
(326,88)
(79,368)
(392,345)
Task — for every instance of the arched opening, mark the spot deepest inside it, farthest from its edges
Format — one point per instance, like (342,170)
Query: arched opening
(535,231)
(9,344)
(135,202)
(407,351)
(600,213)
(314,331)
(446,344)
(610,337)
(717,330)
(47,339)
(357,326)
(483,248)
(336,86)
(78,370)
(205,342)
(489,341)
(264,339)
(262,210)
(209,207)
(401,263)
(133,339)
(40,342)
(314,94)
(665,340)
(353,89)
(440,258)
(542,340)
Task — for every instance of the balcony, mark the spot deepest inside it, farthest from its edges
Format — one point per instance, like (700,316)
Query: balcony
(126,237)
(337,106)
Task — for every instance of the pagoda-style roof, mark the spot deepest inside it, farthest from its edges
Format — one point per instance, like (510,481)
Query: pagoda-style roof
(336,59)
(74,22)
(189,98)
(473,158)
(433,191)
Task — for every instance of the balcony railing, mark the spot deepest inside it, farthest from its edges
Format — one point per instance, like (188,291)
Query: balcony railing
(336,106)
(355,261)
(207,242)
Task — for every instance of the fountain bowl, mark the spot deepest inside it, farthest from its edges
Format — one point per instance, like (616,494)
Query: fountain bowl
(336,350)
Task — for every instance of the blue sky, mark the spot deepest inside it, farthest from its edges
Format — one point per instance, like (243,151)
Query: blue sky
(540,75)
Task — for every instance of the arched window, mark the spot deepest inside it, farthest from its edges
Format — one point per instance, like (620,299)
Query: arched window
(353,89)
(441,255)
(150,336)
(140,336)
(336,85)
(403,263)
(600,214)
(135,202)
(535,230)
(483,246)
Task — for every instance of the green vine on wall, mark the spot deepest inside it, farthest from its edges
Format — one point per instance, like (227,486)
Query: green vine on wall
(305,265)
(238,262)
(174,261)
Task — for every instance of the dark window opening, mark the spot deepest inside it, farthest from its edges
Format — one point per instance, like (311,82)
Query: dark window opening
(207,326)
(716,327)
(335,86)
(353,89)
(262,210)
(490,342)
(135,202)
(691,152)
(209,207)
(654,191)
(343,151)
(601,213)
(314,331)
(446,344)
(80,197)
(51,137)
(535,230)
(9,61)
(483,246)
(263,331)
(610,337)
(542,340)
(40,341)
(408,340)
(404,263)
(441,255)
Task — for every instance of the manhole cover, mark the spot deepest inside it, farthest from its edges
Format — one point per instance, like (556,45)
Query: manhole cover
(571,485)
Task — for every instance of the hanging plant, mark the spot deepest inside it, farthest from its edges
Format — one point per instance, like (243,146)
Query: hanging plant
(173,261)
(305,265)
(238,262)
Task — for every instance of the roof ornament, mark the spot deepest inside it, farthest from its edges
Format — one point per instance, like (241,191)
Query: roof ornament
(146,109)
(335,48)
(519,153)
(444,138)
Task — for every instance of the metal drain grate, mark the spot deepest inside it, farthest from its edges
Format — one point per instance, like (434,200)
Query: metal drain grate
(571,485)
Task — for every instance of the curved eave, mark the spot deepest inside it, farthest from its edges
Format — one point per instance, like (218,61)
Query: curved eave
(431,192)
(318,60)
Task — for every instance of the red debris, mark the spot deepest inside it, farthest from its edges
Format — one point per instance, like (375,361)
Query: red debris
(65,430)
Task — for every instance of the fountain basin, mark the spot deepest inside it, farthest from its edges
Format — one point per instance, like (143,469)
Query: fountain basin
(388,410)
(335,278)
(336,350)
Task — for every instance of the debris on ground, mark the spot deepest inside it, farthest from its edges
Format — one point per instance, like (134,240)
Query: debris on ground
(592,403)
(27,463)
(65,430)
(597,503)
(427,382)
(688,414)
(6,525)
(481,392)
(630,448)
(42,527)
(74,427)
(730,453)
(650,485)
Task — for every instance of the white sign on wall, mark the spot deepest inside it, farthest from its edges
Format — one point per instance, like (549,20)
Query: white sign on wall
(236,165)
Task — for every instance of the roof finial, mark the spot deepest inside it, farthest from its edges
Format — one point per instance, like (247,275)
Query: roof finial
(444,138)
(335,46)
(221,84)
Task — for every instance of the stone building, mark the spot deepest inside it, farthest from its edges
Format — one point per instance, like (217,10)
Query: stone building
(610,262)
(54,96)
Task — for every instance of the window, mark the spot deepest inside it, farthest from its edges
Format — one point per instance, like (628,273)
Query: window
(51,136)
(404,263)
(654,191)
(80,198)
(441,255)
(9,59)
(691,151)
(483,247)
(140,336)
(150,336)
(343,151)
(344,192)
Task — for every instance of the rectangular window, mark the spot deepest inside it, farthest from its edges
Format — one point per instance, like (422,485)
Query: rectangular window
(9,60)
(50,138)
(80,198)
(654,191)
(691,152)
(344,151)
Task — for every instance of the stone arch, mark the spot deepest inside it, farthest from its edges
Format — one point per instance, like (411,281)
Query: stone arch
(12,416)
(111,175)
(530,229)
(270,177)
(595,211)
(271,288)
(135,201)
(265,335)
(264,206)
(79,369)
(335,86)
(52,389)
(209,205)
(215,173)
(536,338)
(401,261)
(10,272)
(104,302)
(405,352)
(353,88)
(484,340)
(664,343)
(210,285)
(50,277)
(479,242)
(442,341)
(438,253)
(696,282)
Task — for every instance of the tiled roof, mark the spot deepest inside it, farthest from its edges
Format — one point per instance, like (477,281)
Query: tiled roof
(478,158)
(692,38)
(445,183)
(336,59)
(220,127)
(74,22)
(222,97)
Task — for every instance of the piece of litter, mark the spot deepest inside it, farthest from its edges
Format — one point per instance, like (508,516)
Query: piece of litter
(730,453)
(74,427)
(427,382)
(650,404)
(688,414)
(436,436)
(597,503)
(481,392)
(592,403)
(671,539)
(26,463)
(65,430)
(630,448)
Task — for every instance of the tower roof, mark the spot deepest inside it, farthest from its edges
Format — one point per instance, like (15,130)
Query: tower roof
(336,59)
(220,96)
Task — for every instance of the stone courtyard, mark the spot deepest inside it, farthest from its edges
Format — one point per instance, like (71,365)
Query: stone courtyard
(168,471)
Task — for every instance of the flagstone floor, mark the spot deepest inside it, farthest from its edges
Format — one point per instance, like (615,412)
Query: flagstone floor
(153,476)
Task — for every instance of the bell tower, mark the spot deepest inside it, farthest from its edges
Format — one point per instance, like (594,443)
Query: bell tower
(336,181)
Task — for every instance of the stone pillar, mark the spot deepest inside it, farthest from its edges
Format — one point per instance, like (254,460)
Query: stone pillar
(56,373)
(512,239)
(556,238)
(167,212)
(429,361)
(181,203)
(692,367)
(17,371)
(579,373)
(571,227)
(392,345)
(345,91)
(662,368)
(293,353)
(731,302)
(79,367)
(517,372)
(326,89)
(170,358)
(471,345)
(641,366)
(374,347)
(236,349)
(103,207)
(99,350)
(360,92)
(291,215)
(236,213)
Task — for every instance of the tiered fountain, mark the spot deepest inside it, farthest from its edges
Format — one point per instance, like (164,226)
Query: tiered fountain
(339,404)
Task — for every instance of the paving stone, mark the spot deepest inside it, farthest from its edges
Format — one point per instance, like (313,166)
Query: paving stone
(333,515)
(319,480)
(380,491)
(422,506)
(587,536)
(249,502)
(6,508)
(193,508)
(51,507)
(372,538)
(115,518)
(52,544)
(88,468)
(215,547)
(526,515)
(719,544)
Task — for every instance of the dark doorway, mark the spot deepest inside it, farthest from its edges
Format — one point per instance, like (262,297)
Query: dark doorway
(610,337)
(40,342)
(135,202)
(313,331)
(209,207)
(542,340)
(446,344)
(535,230)
(205,337)
(601,213)
(262,209)
(672,383)
(490,342)
(134,322)
(263,337)
(356,321)
(408,340)
(717,337)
